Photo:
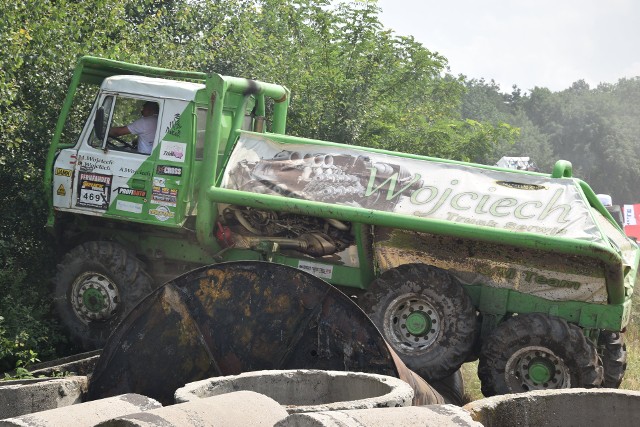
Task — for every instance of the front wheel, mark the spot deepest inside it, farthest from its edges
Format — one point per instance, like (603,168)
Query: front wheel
(537,352)
(96,285)
(425,315)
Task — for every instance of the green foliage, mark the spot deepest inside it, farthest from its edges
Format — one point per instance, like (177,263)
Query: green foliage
(27,331)
(20,374)
(596,129)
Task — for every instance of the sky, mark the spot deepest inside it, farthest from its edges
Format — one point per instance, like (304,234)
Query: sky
(528,43)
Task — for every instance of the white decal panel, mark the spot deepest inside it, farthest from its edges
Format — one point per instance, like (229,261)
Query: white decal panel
(132,207)
(458,193)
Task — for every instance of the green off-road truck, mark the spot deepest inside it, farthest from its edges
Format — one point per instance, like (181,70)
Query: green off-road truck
(452,261)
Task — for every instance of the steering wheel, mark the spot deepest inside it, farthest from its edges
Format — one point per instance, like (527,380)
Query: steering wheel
(120,142)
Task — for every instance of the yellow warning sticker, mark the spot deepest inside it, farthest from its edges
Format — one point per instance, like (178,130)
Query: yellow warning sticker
(64,172)
(61,191)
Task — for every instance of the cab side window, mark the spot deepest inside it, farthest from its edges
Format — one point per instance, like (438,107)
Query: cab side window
(97,140)
(129,124)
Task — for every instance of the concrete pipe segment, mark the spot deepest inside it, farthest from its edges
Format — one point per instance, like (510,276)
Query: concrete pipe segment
(430,415)
(27,396)
(308,390)
(86,414)
(242,408)
(563,408)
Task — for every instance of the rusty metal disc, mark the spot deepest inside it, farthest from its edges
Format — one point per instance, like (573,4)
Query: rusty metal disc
(242,316)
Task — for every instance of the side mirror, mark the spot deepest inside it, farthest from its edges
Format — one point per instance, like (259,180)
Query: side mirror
(98,123)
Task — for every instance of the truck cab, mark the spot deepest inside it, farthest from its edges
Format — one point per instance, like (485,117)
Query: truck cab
(107,176)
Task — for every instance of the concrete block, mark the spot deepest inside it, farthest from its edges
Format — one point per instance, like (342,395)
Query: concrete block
(77,364)
(429,416)
(563,408)
(27,396)
(307,390)
(241,409)
(85,414)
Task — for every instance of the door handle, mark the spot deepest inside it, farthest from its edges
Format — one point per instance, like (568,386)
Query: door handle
(138,184)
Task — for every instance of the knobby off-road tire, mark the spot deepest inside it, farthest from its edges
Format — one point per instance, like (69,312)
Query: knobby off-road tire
(537,352)
(425,315)
(96,285)
(614,358)
(451,388)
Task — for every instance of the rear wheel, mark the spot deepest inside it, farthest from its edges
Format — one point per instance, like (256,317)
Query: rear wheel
(97,283)
(451,388)
(614,357)
(537,352)
(425,315)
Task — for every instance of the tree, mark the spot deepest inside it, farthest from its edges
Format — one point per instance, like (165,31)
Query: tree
(351,81)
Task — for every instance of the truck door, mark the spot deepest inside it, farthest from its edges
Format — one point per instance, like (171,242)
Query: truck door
(168,198)
(112,178)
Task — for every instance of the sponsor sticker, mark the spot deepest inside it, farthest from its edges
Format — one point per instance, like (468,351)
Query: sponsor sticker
(162,213)
(164,196)
(319,270)
(64,172)
(131,192)
(169,170)
(173,151)
(94,190)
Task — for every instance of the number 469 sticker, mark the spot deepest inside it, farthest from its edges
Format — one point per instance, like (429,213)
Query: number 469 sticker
(94,191)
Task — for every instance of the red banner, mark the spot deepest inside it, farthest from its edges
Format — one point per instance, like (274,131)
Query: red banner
(632,220)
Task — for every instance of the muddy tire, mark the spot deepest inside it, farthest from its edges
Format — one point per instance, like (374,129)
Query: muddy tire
(537,352)
(425,315)
(614,358)
(451,388)
(96,284)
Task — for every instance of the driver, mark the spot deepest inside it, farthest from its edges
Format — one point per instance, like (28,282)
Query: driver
(144,127)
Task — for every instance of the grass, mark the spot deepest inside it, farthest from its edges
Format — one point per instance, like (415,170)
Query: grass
(471,381)
(631,379)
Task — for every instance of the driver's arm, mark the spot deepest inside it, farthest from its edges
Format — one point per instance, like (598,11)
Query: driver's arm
(119,131)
